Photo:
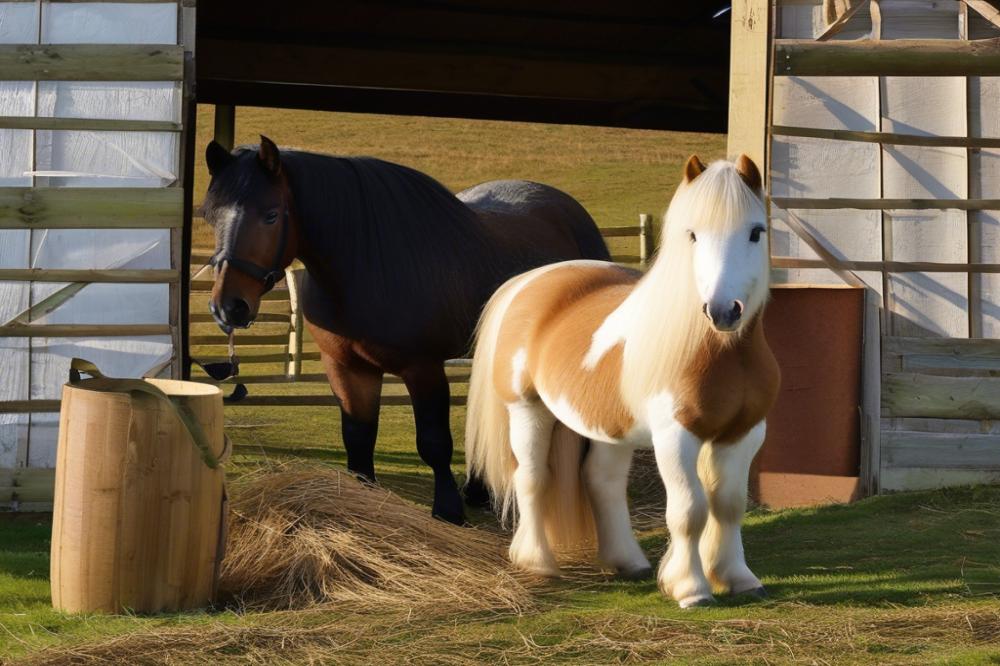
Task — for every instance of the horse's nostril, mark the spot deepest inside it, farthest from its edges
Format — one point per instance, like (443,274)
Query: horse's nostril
(737,310)
(237,312)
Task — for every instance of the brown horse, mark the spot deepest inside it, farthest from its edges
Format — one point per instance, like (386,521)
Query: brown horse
(397,272)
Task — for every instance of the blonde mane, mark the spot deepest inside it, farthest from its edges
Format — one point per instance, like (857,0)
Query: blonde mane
(665,310)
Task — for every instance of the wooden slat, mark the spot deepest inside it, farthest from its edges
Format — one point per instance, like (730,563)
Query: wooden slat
(138,276)
(262,317)
(941,450)
(91,62)
(615,232)
(260,358)
(321,400)
(311,377)
(82,330)
(886,266)
(206,286)
(88,124)
(29,406)
(842,21)
(91,208)
(26,487)
(933,396)
(804,203)
(888,138)
(894,57)
(957,354)
(248,340)
(871,396)
(626,258)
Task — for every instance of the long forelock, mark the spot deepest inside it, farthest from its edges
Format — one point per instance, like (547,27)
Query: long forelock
(718,200)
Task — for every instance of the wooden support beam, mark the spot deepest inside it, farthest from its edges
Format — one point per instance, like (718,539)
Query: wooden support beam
(82,330)
(887,138)
(885,266)
(871,396)
(91,208)
(87,124)
(894,57)
(91,62)
(803,203)
(137,276)
(225,125)
(749,66)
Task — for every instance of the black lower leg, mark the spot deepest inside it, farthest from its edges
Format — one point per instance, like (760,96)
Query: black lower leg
(434,444)
(359,440)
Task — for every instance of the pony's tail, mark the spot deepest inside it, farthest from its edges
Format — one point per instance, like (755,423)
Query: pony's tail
(568,518)
(487,424)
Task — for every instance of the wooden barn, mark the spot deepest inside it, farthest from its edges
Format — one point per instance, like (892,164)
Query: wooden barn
(877,122)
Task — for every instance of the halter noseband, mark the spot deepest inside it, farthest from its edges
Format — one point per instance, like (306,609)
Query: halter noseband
(267,277)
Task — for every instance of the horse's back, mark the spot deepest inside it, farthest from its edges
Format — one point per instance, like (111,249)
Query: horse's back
(520,206)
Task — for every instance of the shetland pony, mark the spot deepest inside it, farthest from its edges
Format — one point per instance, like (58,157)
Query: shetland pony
(675,359)
(397,271)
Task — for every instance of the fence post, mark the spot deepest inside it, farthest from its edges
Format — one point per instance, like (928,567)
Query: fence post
(295,332)
(645,238)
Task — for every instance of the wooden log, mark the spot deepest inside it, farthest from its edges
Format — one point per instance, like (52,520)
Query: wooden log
(137,521)
(887,138)
(894,57)
(91,208)
(87,124)
(933,396)
(804,203)
(138,276)
(82,330)
(91,62)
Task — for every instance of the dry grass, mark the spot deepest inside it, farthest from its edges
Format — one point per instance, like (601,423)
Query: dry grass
(305,536)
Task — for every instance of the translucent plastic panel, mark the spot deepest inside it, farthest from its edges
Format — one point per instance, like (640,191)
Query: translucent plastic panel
(117,100)
(109,23)
(18,23)
(13,430)
(107,159)
(44,440)
(101,248)
(109,304)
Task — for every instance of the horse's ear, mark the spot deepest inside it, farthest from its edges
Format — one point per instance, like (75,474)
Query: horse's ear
(268,155)
(749,172)
(217,157)
(693,168)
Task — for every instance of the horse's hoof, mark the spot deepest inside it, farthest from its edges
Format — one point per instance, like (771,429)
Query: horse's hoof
(450,517)
(477,496)
(645,573)
(696,602)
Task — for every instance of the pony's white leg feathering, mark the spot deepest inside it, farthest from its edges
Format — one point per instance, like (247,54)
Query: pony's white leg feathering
(531,426)
(606,472)
(681,575)
(724,469)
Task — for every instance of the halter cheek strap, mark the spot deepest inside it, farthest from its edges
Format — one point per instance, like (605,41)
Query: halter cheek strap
(267,276)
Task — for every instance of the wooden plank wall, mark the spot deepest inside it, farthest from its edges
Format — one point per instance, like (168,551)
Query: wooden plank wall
(885,147)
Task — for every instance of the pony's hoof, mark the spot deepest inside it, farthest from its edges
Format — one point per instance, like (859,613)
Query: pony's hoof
(645,573)
(758,592)
(696,602)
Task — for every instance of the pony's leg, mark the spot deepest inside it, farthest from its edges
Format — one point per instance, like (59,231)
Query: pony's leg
(358,386)
(531,426)
(605,470)
(681,575)
(429,391)
(724,470)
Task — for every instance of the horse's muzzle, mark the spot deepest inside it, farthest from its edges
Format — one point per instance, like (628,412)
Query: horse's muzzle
(234,313)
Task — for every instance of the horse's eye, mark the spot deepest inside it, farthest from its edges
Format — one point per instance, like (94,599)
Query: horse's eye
(692,237)
(271,217)
(755,234)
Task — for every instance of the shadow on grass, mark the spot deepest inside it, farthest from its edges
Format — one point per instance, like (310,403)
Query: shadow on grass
(902,548)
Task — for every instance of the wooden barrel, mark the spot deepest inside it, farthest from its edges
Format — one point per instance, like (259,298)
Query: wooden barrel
(138,512)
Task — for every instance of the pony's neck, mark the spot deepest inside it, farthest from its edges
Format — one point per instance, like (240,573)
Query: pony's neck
(667,328)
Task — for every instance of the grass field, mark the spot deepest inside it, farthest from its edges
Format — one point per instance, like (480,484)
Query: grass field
(907,579)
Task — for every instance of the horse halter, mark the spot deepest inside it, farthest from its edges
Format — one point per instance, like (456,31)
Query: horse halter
(267,276)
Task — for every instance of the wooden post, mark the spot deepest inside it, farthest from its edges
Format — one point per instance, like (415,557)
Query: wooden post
(871,396)
(646,246)
(225,125)
(295,332)
(749,65)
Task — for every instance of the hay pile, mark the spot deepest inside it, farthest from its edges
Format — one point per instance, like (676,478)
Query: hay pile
(301,537)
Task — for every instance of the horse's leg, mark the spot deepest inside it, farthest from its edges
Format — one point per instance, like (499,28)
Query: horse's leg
(606,472)
(681,575)
(431,396)
(531,426)
(724,471)
(358,386)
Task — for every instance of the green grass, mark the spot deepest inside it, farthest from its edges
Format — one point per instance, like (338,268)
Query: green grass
(909,578)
